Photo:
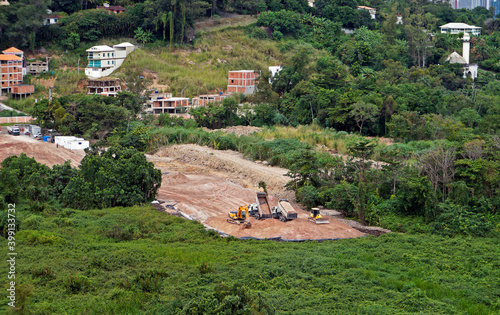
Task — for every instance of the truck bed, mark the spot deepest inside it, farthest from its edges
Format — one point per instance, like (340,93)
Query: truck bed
(287,210)
(263,205)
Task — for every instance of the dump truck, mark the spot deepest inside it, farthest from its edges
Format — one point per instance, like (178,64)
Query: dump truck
(13,130)
(264,210)
(284,211)
(317,218)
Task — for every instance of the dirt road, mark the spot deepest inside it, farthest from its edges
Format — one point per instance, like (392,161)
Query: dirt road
(43,152)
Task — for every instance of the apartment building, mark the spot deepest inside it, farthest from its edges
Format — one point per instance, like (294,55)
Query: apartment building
(11,69)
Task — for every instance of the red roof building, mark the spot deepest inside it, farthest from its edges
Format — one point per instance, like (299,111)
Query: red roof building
(113,8)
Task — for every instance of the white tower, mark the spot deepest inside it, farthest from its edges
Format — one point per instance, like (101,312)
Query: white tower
(466,47)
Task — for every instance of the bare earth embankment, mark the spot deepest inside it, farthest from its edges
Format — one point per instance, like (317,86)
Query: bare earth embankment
(206,184)
(44,152)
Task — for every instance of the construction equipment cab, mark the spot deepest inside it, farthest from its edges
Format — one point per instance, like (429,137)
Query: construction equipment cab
(316,217)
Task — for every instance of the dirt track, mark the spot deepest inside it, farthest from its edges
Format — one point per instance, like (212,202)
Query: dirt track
(43,152)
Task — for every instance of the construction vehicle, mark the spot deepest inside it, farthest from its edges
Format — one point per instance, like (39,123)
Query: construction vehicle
(284,211)
(316,217)
(264,210)
(14,130)
(242,215)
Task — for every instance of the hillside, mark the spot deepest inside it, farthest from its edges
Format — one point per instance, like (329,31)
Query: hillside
(139,261)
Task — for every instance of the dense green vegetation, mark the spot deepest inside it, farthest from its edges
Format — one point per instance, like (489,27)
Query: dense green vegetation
(136,260)
(438,182)
(115,177)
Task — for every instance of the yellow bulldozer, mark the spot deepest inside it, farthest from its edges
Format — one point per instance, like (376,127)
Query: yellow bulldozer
(240,217)
(317,218)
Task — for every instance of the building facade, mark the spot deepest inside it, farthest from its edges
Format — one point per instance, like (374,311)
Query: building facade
(11,69)
(160,103)
(242,81)
(103,60)
(457,28)
(104,86)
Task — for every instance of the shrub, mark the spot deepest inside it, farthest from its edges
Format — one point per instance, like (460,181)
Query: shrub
(75,284)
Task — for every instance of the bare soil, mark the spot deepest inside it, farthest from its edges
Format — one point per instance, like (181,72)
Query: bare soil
(206,184)
(43,152)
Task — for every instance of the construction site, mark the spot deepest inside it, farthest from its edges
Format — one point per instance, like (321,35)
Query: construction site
(210,186)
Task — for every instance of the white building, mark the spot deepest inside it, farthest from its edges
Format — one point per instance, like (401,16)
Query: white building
(457,28)
(469,69)
(372,11)
(103,60)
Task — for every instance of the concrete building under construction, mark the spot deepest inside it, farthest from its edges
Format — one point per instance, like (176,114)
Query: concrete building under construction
(242,81)
(160,103)
(104,86)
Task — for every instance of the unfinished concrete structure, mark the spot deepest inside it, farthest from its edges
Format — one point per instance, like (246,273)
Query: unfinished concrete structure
(205,99)
(11,69)
(242,81)
(160,103)
(22,90)
(37,67)
(104,86)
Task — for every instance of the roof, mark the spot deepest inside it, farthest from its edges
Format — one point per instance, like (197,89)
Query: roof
(100,48)
(112,7)
(459,25)
(54,16)
(12,50)
(456,58)
(241,70)
(365,7)
(10,57)
(124,44)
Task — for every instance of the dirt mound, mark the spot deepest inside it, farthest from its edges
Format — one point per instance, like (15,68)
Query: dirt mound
(175,178)
(237,130)
(43,152)
(228,164)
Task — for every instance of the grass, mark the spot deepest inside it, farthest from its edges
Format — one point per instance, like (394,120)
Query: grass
(137,260)
(314,135)
(203,67)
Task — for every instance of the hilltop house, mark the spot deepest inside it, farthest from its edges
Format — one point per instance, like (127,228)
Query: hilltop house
(103,60)
(112,8)
(372,11)
(457,28)
(52,19)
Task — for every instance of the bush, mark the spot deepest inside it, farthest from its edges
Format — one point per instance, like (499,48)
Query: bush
(456,219)
(259,33)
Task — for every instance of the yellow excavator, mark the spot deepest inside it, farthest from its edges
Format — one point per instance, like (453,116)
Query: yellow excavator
(317,218)
(240,217)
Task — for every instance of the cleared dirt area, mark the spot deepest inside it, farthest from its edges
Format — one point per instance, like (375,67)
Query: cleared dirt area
(206,184)
(43,152)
